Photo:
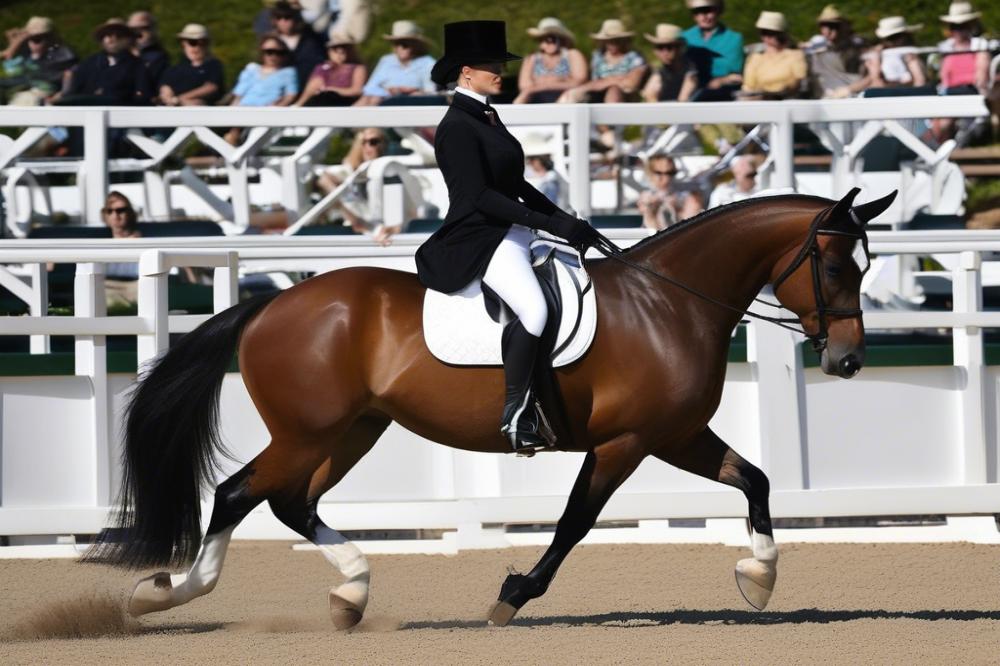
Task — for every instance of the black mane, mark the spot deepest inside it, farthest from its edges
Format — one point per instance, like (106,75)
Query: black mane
(711,212)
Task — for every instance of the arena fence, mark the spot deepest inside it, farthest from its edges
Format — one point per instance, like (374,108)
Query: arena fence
(893,441)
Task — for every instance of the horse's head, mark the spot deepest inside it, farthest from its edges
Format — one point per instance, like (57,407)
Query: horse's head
(820,281)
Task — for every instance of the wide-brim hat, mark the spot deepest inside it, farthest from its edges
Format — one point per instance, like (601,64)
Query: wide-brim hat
(471,43)
(38,25)
(773,21)
(960,12)
(665,33)
(407,30)
(894,25)
(698,4)
(340,39)
(831,14)
(612,29)
(113,25)
(537,145)
(552,26)
(193,31)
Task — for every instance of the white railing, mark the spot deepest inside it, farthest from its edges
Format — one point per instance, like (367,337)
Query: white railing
(826,450)
(845,126)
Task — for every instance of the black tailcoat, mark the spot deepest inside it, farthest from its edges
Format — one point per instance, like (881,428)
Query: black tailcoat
(483,167)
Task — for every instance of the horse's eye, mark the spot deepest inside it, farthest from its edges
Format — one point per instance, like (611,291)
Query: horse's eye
(832,271)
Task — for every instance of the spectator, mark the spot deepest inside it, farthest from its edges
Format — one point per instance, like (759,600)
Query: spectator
(666,202)
(616,70)
(147,46)
(121,279)
(778,71)
(406,72)
(554,68)
(676,79)
(539,171)
(197,79)
(716,51)
(742,186)
(306,49)
(113,77)
(353,18)
(339,80)
(262,21)
(272,82)
(894,62)
(36,63)
(834,56)
(966,70)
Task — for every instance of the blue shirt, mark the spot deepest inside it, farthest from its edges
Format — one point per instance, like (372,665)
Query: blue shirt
(390,73)
(255,90)
(721,54)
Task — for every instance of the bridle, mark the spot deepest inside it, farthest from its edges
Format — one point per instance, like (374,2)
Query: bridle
(809,250)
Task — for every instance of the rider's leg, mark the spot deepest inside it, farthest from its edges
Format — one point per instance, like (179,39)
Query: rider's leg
(510,275)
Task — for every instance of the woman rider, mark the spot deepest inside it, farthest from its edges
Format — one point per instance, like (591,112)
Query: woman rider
(492,215)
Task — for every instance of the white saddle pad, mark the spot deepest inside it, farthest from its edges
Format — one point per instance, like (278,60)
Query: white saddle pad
(459,331)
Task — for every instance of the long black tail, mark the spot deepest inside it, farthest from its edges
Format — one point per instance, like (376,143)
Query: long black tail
(171,443)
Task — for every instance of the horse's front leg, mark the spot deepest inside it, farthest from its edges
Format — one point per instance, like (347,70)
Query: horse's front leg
(604,469)
(707,455)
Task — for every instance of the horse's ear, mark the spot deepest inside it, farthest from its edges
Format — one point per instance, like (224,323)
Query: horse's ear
(842,209)
(867,212)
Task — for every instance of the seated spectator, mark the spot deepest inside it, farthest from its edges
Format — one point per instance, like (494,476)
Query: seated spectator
(305,47)
(834,56)
(539,171)
(339,80)
(147,46)
(406,72)
(894,63)
(616,69)
(666,202)
(35,63)
(113,77)
(676,79)
(554,68)
(742,186)
(715,50)
(272,82)
(967,69)
(197,79)
(121,280)
(778,71)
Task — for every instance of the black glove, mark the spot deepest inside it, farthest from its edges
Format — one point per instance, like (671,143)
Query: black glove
(582,235)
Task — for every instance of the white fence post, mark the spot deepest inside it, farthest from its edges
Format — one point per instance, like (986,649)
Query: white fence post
(971,361)
(578,134)
(776,361)
(95,158)
(39,305)
(226,283)
(782,153)
(153,308)
(91,360)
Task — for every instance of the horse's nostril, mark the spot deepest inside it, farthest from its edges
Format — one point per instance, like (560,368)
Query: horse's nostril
(849,366)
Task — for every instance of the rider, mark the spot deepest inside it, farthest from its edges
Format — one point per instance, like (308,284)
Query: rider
(492,214)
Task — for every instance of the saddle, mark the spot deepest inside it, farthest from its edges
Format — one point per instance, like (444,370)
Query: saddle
(464,328)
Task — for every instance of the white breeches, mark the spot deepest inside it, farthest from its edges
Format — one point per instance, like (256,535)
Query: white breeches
(509,274)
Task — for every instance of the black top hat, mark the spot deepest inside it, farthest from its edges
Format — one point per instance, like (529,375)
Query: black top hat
(471,43)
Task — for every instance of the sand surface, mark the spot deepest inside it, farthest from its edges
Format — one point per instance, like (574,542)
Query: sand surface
(623,604)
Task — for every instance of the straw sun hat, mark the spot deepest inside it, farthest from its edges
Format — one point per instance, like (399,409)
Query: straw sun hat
(960,12)
(552,26)
(193,31)
(894,25)
(38,25)
(774,21)
(612,29)
(665,33)
(406,30)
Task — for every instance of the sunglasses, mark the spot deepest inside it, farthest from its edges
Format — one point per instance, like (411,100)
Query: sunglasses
(752,174)
(959,26)
(403,45)
(830,26)
(371,142)
(273,52)
(140,28)
(116,211)
(549,38)
(769,33)
(665,47)
(705,10)
(37,39)
(194,42)
(665,173)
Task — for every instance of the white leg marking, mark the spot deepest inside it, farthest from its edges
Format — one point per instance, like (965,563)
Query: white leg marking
(205,571)
(350,561)
(764,548)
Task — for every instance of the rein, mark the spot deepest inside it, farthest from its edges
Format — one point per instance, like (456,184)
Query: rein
(810,250)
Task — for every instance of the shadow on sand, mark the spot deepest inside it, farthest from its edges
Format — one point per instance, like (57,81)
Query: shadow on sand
(735,617)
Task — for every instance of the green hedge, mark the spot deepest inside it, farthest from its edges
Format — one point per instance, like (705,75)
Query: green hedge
(230,20)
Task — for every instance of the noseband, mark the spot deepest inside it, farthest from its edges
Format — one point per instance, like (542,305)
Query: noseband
(809,250)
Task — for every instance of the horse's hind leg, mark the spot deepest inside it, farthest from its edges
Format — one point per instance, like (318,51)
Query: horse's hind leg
(297,510)
(708,456)
(604,470)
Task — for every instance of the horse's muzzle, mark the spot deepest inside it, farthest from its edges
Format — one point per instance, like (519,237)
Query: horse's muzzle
(848,366)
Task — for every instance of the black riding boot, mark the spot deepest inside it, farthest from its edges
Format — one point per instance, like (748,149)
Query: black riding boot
(523,422)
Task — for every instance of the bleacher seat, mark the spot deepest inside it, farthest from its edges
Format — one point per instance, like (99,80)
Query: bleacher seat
(326,230)
(69,231)
(423,225)
(179,228)
(925,221)
(616,221)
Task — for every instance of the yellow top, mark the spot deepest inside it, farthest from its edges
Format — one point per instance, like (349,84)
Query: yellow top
(774,72)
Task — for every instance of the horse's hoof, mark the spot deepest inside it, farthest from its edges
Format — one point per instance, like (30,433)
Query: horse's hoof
(151,594)
(343,613)
(756,581)
(501,614)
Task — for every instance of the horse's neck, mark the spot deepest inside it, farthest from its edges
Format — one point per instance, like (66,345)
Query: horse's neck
(729,255)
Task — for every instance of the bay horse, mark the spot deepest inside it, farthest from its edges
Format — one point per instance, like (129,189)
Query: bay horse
(330,362)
